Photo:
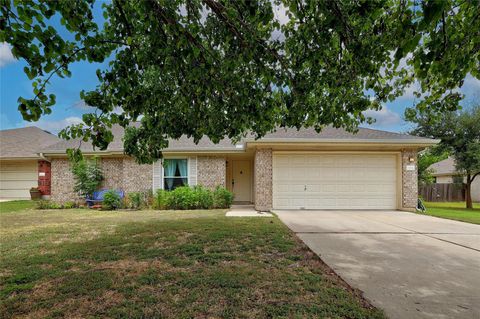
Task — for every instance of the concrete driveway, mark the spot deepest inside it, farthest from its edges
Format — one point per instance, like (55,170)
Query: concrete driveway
(412,266)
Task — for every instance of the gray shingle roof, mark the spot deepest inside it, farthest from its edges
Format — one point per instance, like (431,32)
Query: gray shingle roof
(24,142)
(338,133)
(187,144)
(182,144)
(445,167)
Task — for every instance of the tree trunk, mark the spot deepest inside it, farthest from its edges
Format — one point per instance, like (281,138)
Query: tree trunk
(468,192)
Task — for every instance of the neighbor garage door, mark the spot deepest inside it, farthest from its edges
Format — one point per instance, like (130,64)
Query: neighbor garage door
(334,181)
(17,177)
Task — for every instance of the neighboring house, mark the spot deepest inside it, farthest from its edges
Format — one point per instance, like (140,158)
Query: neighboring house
(20,166)
(287,169)
(445,172)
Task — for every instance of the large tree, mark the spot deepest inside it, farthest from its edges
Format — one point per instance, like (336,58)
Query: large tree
(425,159)
(222,68)
(459,133)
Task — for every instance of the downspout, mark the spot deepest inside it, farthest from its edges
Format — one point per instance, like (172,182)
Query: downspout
(43,157)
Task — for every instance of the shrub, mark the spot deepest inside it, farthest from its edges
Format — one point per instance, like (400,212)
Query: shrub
(69,205)
(111,200)
(202,198)
(43,204)
(135,200)
(87,175)
(47,204)
(222,198)
(161,199)
(149,199)
(181,198)
(196,197)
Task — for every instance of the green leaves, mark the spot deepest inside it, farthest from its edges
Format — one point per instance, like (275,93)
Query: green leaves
(223,68)
(87,174)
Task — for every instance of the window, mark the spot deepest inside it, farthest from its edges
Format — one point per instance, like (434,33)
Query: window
(175,173)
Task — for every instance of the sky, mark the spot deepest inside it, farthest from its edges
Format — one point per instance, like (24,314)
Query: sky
(69,107)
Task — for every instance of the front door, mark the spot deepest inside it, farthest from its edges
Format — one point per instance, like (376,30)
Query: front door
(242,180)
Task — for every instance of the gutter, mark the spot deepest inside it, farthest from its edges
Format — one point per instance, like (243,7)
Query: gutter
(423,141)
(166,151)
(42,156)
(241,148)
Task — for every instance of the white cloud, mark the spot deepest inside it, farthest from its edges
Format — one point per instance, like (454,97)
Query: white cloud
(280,12)
(81,105)
(471,84)
(55,126)
(6,56)
(408,94)
(384,117)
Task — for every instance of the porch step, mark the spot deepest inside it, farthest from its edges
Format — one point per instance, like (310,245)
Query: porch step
(243,206)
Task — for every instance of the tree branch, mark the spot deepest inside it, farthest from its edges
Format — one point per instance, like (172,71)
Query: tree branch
(191,39)
(473,177)
(219,10)
(444,29)
(67,61)
(62,65)
(124,17)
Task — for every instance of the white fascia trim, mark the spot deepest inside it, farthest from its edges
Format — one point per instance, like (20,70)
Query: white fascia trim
(349,140)
(165,152)
(20,158)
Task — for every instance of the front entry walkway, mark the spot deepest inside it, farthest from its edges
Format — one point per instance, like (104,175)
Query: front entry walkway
(245,211)
(412,266)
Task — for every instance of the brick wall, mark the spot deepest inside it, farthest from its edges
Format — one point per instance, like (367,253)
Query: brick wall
(119,173)
(409,180)
(211,171)
(136,177)
(62,181)
(44,177)
(263,179)
(112,169)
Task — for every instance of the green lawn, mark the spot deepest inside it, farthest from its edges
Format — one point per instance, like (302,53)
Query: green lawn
(143,264)
(454,210)
(16,205)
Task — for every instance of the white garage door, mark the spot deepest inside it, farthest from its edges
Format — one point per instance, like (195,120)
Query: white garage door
(333,181)
(17,177)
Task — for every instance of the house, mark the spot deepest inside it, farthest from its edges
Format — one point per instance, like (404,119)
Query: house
(286,169)
(445,172)
(20,166)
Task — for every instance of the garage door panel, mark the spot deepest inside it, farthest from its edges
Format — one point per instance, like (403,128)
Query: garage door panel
(18,184)
(18,166)
(332,181)
(13,193)
(17,177)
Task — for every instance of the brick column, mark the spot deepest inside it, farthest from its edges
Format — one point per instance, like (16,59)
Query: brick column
(409,180)
(263,179)
(44,177)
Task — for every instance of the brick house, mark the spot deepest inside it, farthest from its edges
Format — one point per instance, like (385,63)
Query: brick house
(286,169)
(21,168)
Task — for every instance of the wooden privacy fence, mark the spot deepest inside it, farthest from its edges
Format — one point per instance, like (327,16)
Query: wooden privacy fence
(440,192)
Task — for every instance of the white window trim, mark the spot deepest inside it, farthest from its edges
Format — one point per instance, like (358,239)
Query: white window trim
(174,157)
